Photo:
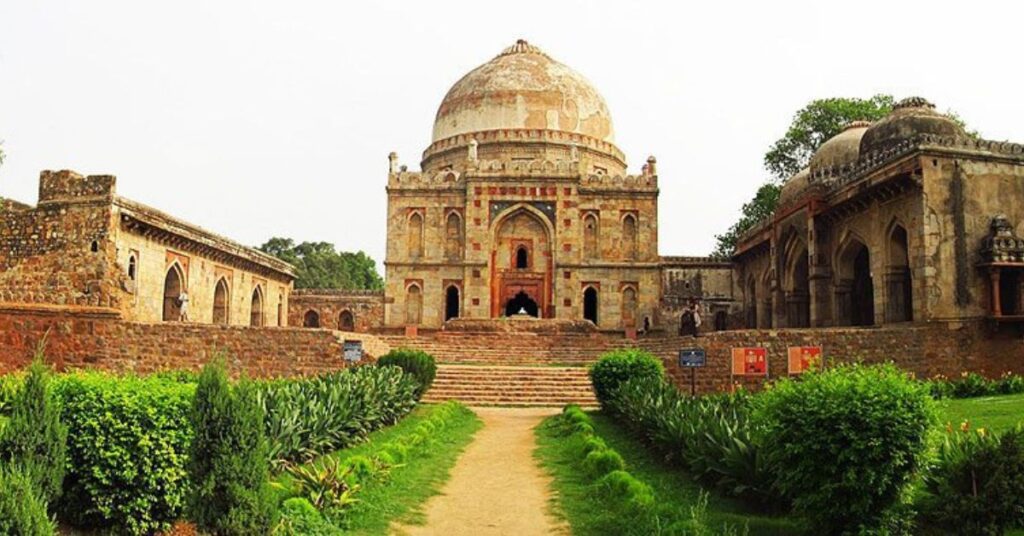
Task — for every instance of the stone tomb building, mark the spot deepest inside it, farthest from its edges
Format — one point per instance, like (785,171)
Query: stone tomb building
(524,206)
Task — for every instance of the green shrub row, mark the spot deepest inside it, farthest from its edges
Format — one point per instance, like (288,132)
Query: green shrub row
(618,366)
(318,493)
(972,384)
(308,417)
(976,485)
(418,364)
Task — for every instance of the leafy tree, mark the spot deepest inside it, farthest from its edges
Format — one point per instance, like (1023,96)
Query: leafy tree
(319,265)
(752,213)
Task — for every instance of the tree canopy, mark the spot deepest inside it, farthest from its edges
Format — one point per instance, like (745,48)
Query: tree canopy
(320,265)
(812,125)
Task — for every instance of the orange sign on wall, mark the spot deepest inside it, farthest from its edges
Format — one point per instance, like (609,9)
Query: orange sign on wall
(802,358)
(750,361)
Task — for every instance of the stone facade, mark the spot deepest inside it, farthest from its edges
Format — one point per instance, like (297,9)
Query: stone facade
(344,310)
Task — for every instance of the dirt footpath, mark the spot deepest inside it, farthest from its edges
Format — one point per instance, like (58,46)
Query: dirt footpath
(496,486)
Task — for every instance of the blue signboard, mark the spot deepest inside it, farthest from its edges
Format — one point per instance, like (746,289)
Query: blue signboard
(692,357)
(353,351)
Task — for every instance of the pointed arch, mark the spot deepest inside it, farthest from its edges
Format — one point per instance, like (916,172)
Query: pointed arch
(346,321)
(591,236)
(413,305)
(796,281)
(174,285)
(415,234)
(899,299)
(222,302)
(590,304)
(133,266)
(629,236)
(311,319)
(256,307)
(855,295)
(454,241)
(629,307)
(522,258)
(452,302)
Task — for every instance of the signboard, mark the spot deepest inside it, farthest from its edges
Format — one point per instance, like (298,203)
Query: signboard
(802,358)
(353,351)
(692,357)
(750,361)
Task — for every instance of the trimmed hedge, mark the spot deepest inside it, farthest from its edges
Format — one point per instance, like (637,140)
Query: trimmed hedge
(618,366)
(418,364)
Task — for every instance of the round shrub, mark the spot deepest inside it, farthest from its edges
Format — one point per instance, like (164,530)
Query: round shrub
(625,487)
(363,468)
(603,461)
(22,510)
(977,483)
(844,444)
(618,366)
(416,363)
(398,452)
(592,443)
(300,517)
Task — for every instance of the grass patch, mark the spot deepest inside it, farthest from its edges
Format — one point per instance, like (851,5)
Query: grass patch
(399,496)
(675,494)
(996,413)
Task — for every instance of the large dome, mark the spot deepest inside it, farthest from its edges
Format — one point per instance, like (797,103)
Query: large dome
(523,89)
(910,117)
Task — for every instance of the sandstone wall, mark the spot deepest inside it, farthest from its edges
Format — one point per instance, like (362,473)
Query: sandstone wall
(365,309)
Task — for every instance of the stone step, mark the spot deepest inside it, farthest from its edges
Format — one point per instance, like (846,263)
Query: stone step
(505,385)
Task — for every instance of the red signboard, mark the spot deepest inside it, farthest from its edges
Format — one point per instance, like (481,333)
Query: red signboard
(749,362)
(802,358)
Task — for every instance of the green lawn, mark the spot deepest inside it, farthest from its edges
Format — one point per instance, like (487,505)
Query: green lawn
(994,413)
(674,492)
(399,496)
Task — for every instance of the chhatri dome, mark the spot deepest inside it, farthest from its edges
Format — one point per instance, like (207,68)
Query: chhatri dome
(523,96)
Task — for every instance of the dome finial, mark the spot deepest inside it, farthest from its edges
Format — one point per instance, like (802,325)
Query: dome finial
(913,102)
(522,47)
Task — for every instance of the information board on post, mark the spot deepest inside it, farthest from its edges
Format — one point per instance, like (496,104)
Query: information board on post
(749,361)
(693,359)
(353,351)
(802,358)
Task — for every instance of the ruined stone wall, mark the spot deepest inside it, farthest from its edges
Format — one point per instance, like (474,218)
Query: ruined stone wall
(60,252)
(365,309)
(711,283)
(925,350)
(97,338)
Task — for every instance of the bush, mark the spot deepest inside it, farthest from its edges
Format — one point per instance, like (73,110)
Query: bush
(22,509)
(977,482)
(844,444)
(419,365)
(617,366)
(603,461)
(229,465)
(305,418)
(10,384)
(127,449)
(625,488)
(300,518)
(972,385)
(35,438)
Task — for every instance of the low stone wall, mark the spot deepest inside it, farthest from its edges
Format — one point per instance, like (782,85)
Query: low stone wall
(926,350)
(365,309)
(79,337)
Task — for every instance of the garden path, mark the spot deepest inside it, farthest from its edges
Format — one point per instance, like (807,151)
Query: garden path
(496,487)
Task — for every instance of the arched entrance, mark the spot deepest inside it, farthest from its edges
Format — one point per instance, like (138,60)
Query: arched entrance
(798,293)
(451,303)
(899,296)
(174,282)
(256,308)
(346,322)
(855,293)
(221,301)
(311,319)
(521,303)
(590,304)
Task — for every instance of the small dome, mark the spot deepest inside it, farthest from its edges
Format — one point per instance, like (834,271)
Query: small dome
(840,150)
(910,117)
(795,186)
(523,88)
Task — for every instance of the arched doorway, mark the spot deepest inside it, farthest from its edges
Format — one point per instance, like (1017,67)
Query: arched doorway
(522,261)
(413,305)
(798,297)
(522,303)
(451,303)
(855,293)
(899,291)
(590,304)
(256,307)
(174,282)
(346,322)
(311,319)
(221,301)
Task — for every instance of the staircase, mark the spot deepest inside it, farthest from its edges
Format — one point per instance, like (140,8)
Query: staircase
(512,386)
(514,349)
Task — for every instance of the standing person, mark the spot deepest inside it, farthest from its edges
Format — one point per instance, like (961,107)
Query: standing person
(696,318)
(183,305)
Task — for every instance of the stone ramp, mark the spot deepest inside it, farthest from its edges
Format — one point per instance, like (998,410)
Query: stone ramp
(485,385)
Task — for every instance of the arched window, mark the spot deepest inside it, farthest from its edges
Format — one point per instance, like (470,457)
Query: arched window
(522,258)
(413,305)
(590,237)
(256,307)
(629,308)
(590,304)
(415,235)
(451,303)
(221,302)
(453,236)
(174,284)
(311,319)
(899,306)
(133,267)
(346,322)
(629,246)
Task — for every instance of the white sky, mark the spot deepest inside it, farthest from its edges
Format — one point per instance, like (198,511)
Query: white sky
(258,118)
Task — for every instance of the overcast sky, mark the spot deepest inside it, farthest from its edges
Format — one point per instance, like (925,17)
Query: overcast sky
(256,119)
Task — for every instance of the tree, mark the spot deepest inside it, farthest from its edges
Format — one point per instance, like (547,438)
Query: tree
(319,265)
(752,213)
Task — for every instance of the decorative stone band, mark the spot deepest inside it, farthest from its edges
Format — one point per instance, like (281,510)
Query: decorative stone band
(539,168)
(526,136)
(300,292)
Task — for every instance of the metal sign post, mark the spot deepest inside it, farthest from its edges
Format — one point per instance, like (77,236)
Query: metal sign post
(692,358)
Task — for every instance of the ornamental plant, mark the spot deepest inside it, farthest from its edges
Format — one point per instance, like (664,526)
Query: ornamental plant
(617,366)
(416,363)
(845,444)
(22,510)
